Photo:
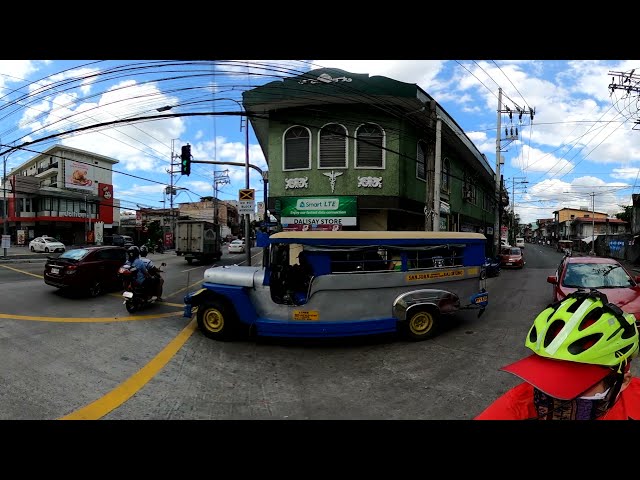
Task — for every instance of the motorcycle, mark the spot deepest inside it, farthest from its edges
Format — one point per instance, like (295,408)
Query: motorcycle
(490,268)
(135,296)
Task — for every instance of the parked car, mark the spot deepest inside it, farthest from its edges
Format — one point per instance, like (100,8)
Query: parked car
(237,246)
(512,257)
(520,242)
(91,269)
(119,240)
(490,268)
(608,275)
(46,244)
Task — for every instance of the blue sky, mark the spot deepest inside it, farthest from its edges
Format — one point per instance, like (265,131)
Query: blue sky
(580,147)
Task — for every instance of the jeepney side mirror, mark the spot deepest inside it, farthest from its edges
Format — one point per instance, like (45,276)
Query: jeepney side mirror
(552,279)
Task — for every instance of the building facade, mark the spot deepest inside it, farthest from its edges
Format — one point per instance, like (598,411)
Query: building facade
(62,192)
(353,152)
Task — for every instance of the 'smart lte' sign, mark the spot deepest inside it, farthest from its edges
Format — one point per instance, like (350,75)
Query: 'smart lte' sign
(319,211)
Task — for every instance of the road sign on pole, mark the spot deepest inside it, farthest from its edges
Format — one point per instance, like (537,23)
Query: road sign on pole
(247,194)
(246,201)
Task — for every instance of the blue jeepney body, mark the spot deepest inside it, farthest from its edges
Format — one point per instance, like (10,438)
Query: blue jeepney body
(336,284)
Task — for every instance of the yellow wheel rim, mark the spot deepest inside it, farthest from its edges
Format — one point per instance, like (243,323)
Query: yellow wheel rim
(213,320)
(421,323)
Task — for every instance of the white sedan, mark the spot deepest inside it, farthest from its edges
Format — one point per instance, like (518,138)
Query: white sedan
(46,244)
(236,246)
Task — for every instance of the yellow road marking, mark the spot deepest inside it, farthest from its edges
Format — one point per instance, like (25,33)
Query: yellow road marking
(22,271)
(127,389)
(89,319)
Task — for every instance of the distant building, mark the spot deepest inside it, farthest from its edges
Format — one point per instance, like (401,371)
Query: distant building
(61,192)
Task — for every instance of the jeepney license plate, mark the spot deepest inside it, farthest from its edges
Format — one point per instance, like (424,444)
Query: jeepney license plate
(306,315)
(483,298)
(55,271)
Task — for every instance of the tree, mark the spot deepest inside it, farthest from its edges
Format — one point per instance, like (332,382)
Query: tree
(627,214)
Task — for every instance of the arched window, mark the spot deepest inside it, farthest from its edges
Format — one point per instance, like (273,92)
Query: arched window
(369,146)
(333,146)
(297,148)
(444,177)
(421,161)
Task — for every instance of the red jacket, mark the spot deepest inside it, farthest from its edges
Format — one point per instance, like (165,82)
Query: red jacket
(517,404)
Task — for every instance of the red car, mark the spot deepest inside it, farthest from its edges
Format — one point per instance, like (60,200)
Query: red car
(92,269)
(605,274)
(512,257)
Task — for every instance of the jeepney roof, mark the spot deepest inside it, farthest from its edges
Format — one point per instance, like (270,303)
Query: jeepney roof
(373,237)
(378,234)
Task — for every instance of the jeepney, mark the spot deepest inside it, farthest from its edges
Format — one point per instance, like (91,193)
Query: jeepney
(345,283)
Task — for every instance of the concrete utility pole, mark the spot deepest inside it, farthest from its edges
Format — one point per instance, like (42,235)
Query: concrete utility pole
(171,192)
(496,233)
(510,136)
(593,223)
(247,218)
(521,180)
(220,177)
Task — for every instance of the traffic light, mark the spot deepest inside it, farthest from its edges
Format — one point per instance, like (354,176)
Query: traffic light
(185,160)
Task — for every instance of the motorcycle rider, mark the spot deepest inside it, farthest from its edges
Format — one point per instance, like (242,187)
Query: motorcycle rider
(156,279)
(142,274)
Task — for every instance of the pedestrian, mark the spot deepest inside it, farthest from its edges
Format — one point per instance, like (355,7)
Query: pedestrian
(580,366)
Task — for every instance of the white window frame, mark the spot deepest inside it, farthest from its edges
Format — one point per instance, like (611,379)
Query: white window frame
(284,134)
(384,146)
(346,147)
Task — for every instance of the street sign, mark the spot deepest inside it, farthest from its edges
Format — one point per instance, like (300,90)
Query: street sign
(6,241)
(246,207)
(247,194)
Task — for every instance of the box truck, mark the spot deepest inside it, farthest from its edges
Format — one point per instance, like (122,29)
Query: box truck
(199,240)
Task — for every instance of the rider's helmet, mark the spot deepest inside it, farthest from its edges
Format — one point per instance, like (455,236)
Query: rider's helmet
(133,252)
(577,343)
(143,251)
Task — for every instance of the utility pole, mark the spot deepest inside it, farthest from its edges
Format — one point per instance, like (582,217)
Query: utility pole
(522,180)
(247,218)
(510,136)
(628,82)
(593,223)
(497,234)
(171,192)
(4,203)
(220,177)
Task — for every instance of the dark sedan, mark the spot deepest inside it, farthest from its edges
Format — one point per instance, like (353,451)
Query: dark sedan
(605,274)
(90,269)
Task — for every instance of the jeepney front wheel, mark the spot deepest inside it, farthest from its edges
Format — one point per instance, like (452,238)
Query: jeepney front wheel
(422,323)
(217,320)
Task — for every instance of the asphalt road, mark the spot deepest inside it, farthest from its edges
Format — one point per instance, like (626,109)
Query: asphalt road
(77,358)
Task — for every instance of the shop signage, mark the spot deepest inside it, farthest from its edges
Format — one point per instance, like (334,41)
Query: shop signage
(329,210)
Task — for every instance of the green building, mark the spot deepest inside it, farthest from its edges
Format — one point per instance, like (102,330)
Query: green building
(354,152)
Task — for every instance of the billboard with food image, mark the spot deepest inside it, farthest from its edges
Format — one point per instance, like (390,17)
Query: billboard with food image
(79,175)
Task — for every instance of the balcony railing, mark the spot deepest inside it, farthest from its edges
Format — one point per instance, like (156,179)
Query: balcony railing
(48,167)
